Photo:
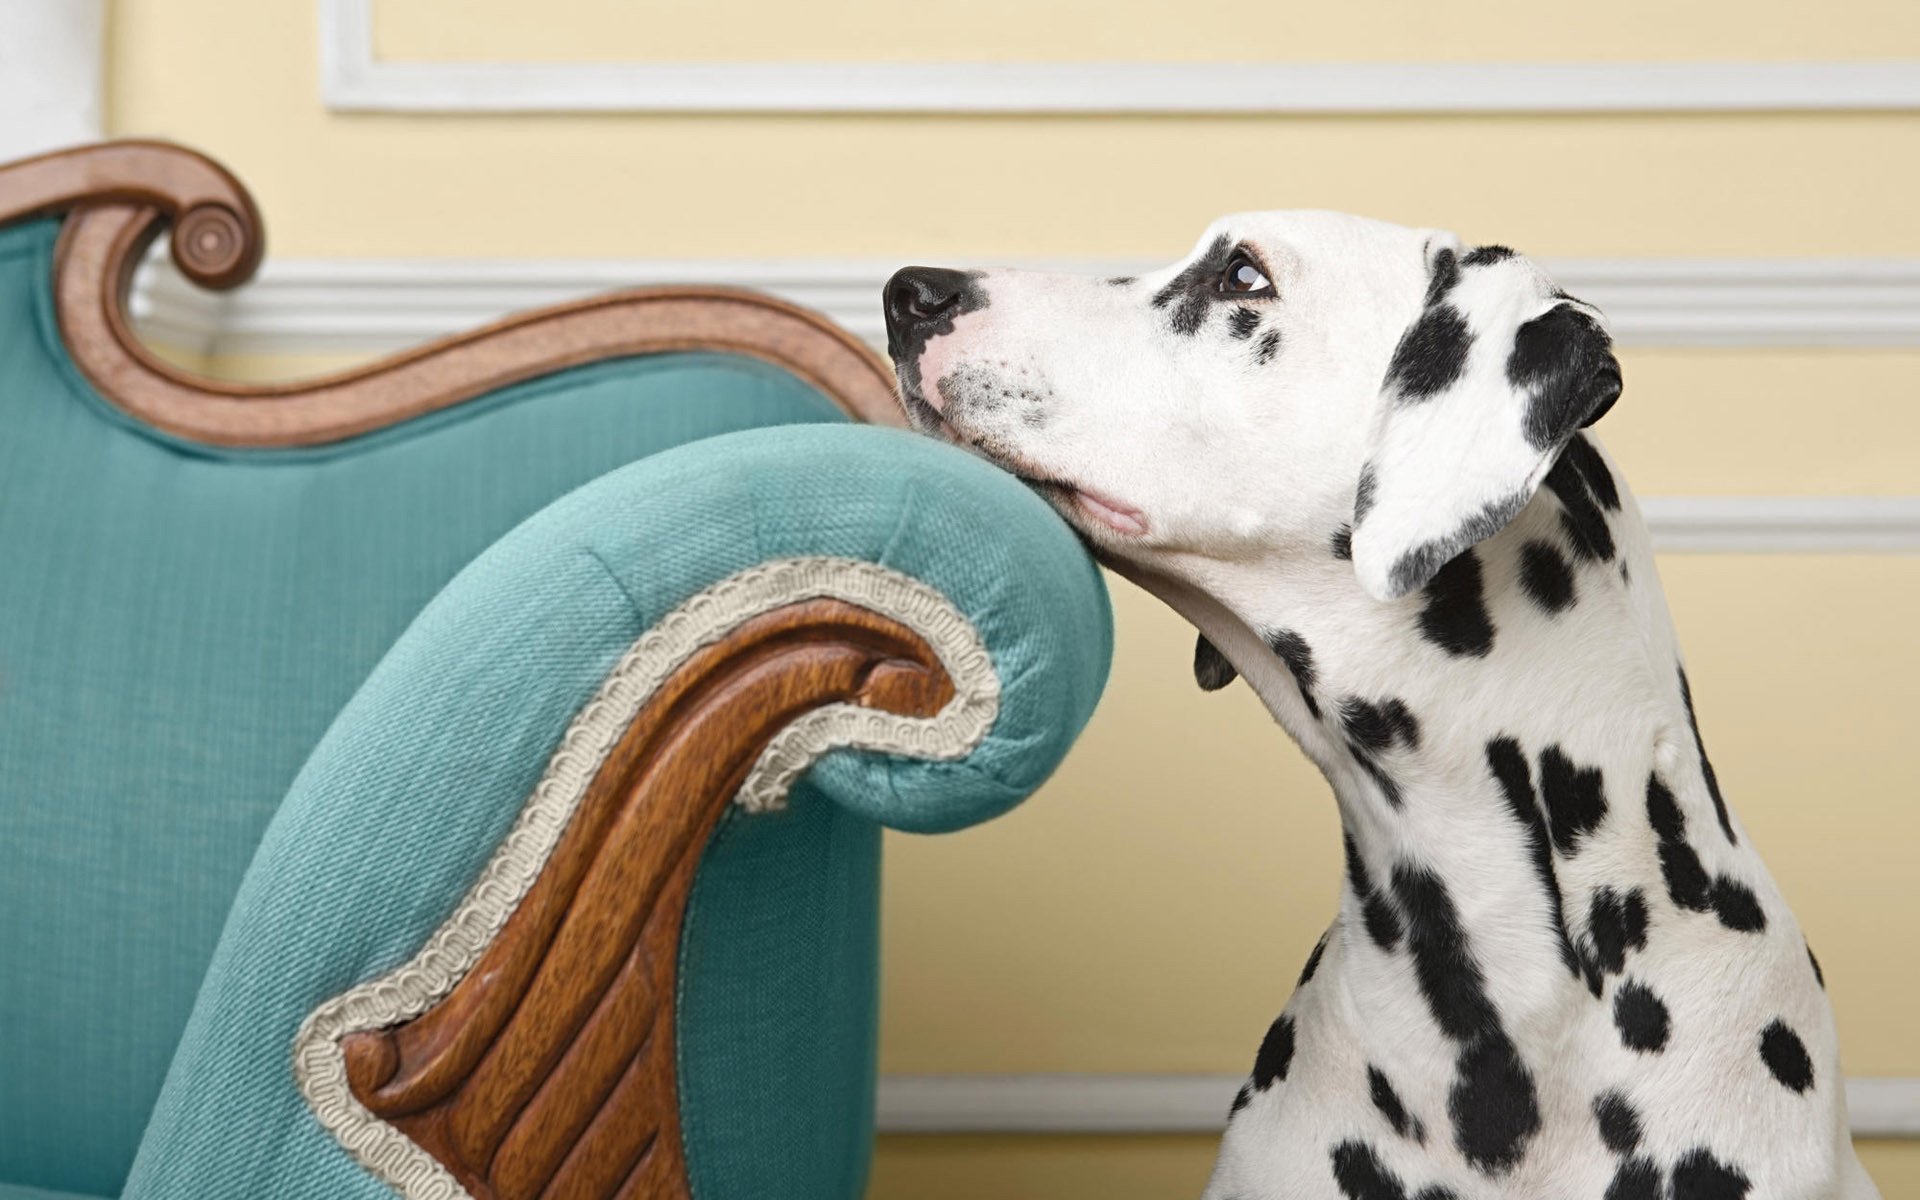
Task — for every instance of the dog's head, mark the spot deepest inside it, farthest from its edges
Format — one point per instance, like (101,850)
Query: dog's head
(1301,383)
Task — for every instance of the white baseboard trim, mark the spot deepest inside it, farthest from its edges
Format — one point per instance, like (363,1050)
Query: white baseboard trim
(1147,1104)
(331,305)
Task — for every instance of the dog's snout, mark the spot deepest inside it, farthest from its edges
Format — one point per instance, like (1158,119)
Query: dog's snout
(917,297)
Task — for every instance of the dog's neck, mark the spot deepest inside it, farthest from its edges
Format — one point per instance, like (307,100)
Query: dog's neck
(1497,735)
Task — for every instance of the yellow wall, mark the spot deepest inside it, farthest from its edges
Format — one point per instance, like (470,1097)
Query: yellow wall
(1107,925)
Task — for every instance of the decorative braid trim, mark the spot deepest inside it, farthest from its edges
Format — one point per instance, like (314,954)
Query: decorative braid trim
(319,1066)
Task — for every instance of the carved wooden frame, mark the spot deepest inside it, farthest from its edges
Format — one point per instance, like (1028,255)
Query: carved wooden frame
(528,1048)
(118,196)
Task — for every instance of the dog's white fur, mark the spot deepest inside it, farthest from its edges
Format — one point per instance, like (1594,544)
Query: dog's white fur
(1213,466)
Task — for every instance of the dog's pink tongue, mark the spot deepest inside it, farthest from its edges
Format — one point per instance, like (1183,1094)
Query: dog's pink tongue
(1111,513)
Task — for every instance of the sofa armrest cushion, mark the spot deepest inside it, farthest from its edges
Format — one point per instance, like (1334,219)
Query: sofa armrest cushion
(422,775)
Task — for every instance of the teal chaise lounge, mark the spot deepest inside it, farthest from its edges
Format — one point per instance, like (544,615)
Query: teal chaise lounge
(464,776)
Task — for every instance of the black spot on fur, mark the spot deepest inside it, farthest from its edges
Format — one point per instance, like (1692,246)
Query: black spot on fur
(1120,280)
(1575,798)
(1619,1123)
(1819,976)
(1636,1179)
(1364,493)
(1592,468)
(1388,1102)
(1275,1059)
(1378,727)
(1580,514)
(1455,616)
(1389,787)
(1493,1103)
(1269,346)
(1509,766)
(1706,767)
(1641,1017)
(1383,925)
(1361,1175)
(1701,1176)
(1482,256)
(1342,543)
(1615,925)
(1737,907)
(1313,961)
(1431,354)
(1241,1099)
(1292,649)
(1211,670)
(1564,361)
(1242,322)
(1786,1056)
(1546,576)
(1688,884)
(1444,274)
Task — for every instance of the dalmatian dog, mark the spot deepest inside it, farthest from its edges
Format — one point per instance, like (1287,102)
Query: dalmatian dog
(1356,457)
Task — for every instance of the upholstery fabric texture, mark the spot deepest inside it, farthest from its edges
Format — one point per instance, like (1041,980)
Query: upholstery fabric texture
(410,791)
(182,624)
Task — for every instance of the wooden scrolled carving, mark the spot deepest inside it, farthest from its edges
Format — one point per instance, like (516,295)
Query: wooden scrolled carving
(119,196)
(548,1071)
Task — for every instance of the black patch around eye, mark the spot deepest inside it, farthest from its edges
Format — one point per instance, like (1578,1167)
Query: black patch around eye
(1292,649)
(1242,322)
(1455,616)
(1211,670)
(1510,770)
(1641,1018)
(1313,962)
(1269,346)
(1189,316)
(1364,494)
(1198,274)
(1341,543)
(1546,577)
(1484,256)
(1701,1176)
(1619,1123)
(1431,354)
(1564,361)
(1575,797)
(1786,1056)
(1380,1088)
(1637,1179)
(1275,1059)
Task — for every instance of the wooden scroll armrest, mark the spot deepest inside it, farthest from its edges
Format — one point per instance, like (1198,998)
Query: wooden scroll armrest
(118,196)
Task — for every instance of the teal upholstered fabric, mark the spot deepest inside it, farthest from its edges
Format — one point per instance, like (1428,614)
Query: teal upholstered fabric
(412,788)
(178,627)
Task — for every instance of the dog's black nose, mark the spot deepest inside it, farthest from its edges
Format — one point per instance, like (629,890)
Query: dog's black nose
(920,297)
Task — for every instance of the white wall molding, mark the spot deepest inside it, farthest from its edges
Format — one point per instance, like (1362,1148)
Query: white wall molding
(1136,1104)
(50,74)
(354,80)
(321,305)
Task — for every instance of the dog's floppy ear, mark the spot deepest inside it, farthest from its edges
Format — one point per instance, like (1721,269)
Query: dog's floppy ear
(1486,386)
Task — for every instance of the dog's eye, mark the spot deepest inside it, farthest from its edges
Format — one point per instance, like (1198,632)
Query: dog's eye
(1243,276)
